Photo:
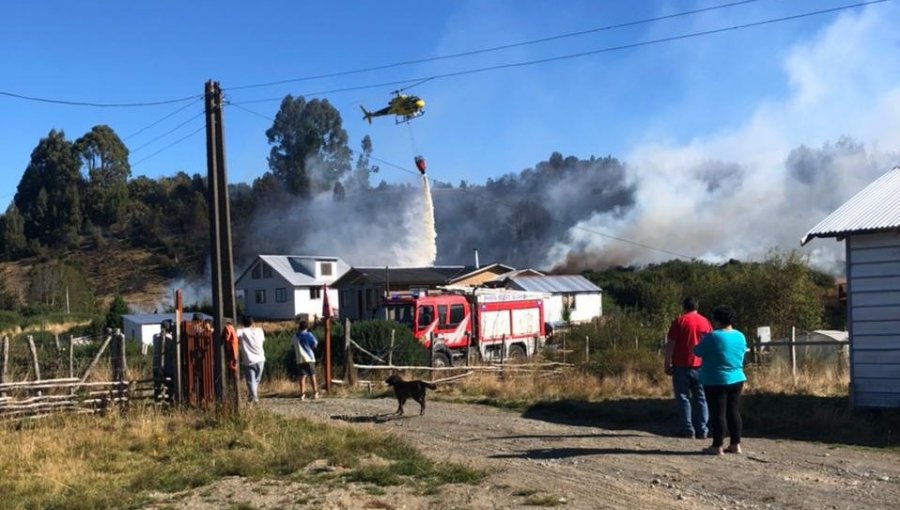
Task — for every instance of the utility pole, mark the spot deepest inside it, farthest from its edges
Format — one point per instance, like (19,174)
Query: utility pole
(220,244)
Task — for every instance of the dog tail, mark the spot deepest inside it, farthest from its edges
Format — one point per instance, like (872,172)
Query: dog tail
(430,385)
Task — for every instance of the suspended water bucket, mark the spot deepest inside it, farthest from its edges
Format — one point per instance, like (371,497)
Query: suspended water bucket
(420,164)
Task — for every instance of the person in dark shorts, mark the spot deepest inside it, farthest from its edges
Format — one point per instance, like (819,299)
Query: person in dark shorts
(304,347)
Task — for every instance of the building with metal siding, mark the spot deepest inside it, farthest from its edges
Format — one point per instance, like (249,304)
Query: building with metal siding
(870,224)
(572,296)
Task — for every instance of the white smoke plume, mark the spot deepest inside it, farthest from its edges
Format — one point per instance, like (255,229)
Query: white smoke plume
(743,192)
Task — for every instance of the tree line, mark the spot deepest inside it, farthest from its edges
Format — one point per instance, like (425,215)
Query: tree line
(79,195)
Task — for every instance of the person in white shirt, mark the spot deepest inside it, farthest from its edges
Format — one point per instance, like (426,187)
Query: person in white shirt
(253,358)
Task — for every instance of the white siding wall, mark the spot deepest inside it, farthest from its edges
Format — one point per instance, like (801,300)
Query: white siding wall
(873,276)
(313,307)
(138,332)
(553,309)
(587,307)
(270,309)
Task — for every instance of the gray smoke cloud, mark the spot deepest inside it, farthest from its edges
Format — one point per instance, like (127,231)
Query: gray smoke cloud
(754,187)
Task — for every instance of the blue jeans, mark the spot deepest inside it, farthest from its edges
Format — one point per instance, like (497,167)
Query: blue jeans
(691,401)
(252,374)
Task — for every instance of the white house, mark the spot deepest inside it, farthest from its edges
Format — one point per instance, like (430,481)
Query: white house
(870,224)
(285,286)
(140,327)
(572,295)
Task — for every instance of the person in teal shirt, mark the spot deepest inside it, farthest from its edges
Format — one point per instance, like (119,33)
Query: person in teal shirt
(722,377)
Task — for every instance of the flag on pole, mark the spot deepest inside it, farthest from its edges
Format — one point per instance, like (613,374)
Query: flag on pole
(327,312)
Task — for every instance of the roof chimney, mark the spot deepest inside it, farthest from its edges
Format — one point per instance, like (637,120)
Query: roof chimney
(477,265)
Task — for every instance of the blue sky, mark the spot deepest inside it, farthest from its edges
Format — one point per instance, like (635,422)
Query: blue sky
(476,126)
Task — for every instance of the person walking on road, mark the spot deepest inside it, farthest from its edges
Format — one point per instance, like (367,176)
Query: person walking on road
(253,357)
(304,348)
(722,376)
(683,365)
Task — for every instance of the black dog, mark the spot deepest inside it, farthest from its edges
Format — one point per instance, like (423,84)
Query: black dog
(405,389)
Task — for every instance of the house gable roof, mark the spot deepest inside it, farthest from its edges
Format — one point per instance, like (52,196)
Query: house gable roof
(472,271)
(298,270)
(875,208)
(435,275)
(555,284)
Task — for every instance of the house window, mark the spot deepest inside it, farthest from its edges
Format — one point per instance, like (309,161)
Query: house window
(260,296)
(256,272)
(281,295)
(315,293)
(568,301)
(325,268)
(267,271)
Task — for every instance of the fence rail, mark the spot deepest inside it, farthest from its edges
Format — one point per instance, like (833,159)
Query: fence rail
(51,385)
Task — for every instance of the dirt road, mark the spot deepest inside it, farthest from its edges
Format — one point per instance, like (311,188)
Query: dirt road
(534,461)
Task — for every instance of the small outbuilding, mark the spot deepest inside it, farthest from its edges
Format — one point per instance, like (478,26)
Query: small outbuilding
(140,327)
(870,224)
(573,298)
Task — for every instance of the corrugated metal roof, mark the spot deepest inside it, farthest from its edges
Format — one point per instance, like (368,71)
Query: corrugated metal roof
(432,275)
(876,207)
(555,284)
(298,270)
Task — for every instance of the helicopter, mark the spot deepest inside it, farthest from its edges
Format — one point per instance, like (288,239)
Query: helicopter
(405,107)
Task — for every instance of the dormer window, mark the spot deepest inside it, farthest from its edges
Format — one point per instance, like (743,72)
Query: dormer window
(325,268)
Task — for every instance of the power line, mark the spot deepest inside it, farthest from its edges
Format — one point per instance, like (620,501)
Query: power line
(416,173)
(635,243)
(169,146)
(494,48)
(607,49)
(98,105)
(176,128)
(185,107)
(333,91)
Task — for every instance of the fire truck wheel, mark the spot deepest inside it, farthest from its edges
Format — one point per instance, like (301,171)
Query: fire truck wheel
(516,353)
(440,360)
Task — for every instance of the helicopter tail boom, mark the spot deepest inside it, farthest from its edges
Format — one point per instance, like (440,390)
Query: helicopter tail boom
(367,115)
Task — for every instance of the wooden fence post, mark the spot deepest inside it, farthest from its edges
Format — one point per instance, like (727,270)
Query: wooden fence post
(587,349)
(391,352)
(793,353)
(34,358)
(349,370)
(71,356)
(4,361)
(96,358)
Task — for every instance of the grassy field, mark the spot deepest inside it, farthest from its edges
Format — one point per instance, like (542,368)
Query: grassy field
(118,460)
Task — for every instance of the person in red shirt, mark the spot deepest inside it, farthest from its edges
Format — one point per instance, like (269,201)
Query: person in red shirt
(685,333)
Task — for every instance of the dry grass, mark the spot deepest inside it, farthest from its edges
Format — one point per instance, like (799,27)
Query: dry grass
(116,461)
(523,388)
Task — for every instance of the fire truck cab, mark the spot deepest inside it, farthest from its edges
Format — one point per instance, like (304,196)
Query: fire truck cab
(499,326)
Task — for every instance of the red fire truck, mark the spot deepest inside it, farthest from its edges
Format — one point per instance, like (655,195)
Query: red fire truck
(498,325)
